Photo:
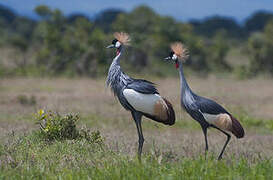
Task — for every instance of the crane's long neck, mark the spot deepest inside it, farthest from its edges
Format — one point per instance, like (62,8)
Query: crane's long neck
(116,60)
(185,89)
(116,78)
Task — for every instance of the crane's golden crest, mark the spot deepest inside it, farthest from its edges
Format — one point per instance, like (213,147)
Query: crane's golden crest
(179,49)
(122,37)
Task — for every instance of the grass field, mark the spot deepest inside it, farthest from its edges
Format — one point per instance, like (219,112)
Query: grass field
(175,152)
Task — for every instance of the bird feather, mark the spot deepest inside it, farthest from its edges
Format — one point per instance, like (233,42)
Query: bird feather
(142,86)
(122,37)
(179,49)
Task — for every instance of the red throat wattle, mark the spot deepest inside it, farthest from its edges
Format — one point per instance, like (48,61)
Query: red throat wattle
(176,65)
(118,51)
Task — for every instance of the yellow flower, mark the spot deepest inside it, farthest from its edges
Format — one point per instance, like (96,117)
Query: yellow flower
(41,112)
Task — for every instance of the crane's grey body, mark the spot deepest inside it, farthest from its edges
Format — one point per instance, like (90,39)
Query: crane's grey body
(196,105)
(202,110)
(141,91)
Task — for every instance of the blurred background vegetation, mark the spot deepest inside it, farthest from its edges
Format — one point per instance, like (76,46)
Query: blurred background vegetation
(74,45)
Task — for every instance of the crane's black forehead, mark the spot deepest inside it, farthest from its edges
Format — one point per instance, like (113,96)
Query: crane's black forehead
(114,41)
(171,53)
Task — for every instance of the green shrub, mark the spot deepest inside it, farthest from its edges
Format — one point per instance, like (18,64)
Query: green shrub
(54,126)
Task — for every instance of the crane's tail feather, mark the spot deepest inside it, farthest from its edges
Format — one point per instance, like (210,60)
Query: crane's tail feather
(168,115)
(171,113)
(237,128)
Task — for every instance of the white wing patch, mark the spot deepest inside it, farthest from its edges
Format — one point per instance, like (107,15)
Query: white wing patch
(210,118)
(222,121)
(142,102)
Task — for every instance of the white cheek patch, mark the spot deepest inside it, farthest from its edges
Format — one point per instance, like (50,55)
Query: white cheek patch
(174,57)
(117,44)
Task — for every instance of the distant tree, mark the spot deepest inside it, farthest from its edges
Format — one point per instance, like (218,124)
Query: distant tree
(217,52)
(257,21)
(141,19)
(141,24)
(43,11)
(198,53)
(105,18)
(70,47)
(23,26)
(75,45)
(152,35)
(7,14)
(260,47)
(211,25)
(73,18)
(165,32)
(49,32)
(21,46)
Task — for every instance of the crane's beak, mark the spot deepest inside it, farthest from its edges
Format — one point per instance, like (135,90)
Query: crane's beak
(111,46)
(167,58)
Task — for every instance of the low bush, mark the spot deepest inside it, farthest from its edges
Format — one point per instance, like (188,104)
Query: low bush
(54,126)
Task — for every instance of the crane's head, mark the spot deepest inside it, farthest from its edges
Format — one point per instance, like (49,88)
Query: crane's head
(121,38)
(179,52)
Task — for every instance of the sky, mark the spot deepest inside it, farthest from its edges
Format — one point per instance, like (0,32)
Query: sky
(179,9)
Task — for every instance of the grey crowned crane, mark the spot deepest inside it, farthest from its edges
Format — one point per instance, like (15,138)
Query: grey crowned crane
(136,95)
(205,111)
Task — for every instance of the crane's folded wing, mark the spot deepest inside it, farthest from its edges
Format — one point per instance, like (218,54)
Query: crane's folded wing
(215,114)
(143,86)
(209,106)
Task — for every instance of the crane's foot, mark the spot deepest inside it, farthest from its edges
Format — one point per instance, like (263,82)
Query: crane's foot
(206,153)
(139,157)
(206,150)
(141,141)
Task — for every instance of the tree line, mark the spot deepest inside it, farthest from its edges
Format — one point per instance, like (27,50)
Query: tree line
(74,45)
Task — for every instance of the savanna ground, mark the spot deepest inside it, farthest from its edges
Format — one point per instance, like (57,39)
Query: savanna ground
(175,152)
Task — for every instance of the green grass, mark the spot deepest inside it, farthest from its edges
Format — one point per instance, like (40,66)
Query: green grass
(265,125)
(31,157)
(169,152)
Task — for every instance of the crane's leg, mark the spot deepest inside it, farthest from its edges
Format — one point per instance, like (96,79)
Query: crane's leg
(204,128)
(228,138)
(137,117)
(204,125)
(206,139)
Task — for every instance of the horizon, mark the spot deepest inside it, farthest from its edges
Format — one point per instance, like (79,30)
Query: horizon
(208,9)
